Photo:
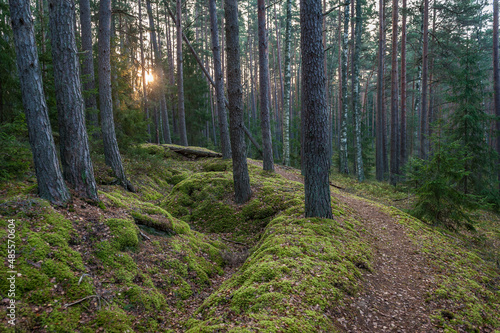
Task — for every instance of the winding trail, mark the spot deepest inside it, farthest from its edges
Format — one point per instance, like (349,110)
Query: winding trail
(393,296)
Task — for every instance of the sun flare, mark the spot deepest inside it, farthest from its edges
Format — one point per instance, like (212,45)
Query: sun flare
(149,77)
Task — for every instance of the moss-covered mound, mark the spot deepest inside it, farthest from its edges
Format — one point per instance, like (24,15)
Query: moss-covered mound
(299,269)
(205,200)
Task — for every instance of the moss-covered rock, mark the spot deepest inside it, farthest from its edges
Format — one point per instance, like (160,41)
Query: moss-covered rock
(124,233)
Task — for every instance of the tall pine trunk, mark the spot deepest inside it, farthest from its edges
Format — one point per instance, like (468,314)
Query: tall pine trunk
(286,93)
(180,79)
(380,157)
(88,67)
(356,94)
(143,73)
(424,104)
(496,77)
(344,161)
(314,113)
(242,191)
(51,185)
(75,156)
(394,97)
(111,152)
(160,85)
(268,162)
(403,152)
(219,83)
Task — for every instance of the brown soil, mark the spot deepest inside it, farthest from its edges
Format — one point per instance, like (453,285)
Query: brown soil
(394,291)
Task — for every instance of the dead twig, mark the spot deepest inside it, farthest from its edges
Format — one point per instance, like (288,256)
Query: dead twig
(232,241)
(336,186)
(81,300)
(144,235)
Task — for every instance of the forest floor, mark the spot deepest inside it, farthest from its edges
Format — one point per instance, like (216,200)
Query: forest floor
(215,266)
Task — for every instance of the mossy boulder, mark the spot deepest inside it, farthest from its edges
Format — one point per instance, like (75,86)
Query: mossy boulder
(124,233)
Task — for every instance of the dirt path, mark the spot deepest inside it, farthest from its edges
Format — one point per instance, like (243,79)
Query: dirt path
(393,294)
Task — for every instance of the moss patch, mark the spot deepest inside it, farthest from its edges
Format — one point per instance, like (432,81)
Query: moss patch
(299,268)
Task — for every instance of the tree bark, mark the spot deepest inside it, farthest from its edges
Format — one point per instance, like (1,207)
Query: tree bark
(51,185)
(424,106)
(111,152)
(143,73)
(160,85)
(268,162)
(234,89)
(394,97)
(403,153)
(75,156)
(314,111)
(496,78)
(219,83)
(286,93)
(88,67)
(180,79)
(344,162)
(356,94)
(380,148)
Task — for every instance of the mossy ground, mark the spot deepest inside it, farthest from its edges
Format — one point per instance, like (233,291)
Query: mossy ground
(297,271)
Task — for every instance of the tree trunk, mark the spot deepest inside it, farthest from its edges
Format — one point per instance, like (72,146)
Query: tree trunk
(268,162)
(314,112)
(51,185)
(403,153)
(143,73)
(88,67)
(234,89)
(344,162)
(394,97)
(355,95)
(380,148)
(111,152)
(75,156)
(160,85)
(219,83)
(496,77)
(286,93)
(424,106)
(180,79)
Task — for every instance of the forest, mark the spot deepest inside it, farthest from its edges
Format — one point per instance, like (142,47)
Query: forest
(249,166)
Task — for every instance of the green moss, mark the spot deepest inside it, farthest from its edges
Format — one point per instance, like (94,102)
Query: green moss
(145,300)
(124,232)
(113,320)
(299,267)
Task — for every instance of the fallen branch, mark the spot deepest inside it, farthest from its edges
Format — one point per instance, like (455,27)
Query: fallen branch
(190,151)
(249,135)
(336,186)
(81,300)
(144,235)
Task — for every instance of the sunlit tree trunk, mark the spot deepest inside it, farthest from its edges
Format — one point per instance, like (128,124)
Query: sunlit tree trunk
(143,73)
(75,156)
(219,83)
(314,113)
(51,185)
(268,162)
(111,152)
(234,91)
(160,85)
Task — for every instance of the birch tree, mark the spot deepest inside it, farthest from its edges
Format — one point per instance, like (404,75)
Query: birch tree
(344,162)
